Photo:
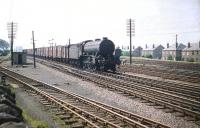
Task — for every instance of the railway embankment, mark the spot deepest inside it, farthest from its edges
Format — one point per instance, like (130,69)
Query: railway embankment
(10,113)
(18,109)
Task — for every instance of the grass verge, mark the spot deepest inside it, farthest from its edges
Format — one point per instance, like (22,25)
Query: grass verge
(33,122)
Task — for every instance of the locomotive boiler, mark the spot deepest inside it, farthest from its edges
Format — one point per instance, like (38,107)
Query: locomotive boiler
(98,54)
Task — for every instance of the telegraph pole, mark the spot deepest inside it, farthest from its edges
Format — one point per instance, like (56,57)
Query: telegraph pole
(68,48)
(49,48)
(11,44)
(11,35)
(130,33)
(52,48)
(33,49)
(130,42)
(56,50)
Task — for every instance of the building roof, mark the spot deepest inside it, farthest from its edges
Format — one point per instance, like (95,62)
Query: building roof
(138,48)
(151,48)
(193,47)
(174,48)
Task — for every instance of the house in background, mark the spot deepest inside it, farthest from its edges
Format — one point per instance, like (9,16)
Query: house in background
(137,52)
(173,52)
(154,52)
(191,52)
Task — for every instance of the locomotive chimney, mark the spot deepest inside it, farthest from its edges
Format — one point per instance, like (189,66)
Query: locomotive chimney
(105,38)
(188,44)
(167,45)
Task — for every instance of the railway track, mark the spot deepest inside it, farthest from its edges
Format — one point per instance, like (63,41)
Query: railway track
(172,103)
(169,64)
(167,73)
(78,111)
(186,90)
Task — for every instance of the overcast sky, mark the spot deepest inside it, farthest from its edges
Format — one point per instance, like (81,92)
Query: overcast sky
(156,21)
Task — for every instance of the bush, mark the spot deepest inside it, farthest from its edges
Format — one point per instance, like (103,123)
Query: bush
(149,56)
(178,58)
(169,57)
(125,53)
(190,60)
(6,52)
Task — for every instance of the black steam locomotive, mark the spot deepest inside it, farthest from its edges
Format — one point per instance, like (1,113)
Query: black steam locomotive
(97,54)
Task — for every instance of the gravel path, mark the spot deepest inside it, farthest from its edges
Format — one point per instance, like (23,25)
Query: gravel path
(89,90)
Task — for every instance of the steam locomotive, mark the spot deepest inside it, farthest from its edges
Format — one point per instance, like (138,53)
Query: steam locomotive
(89,54)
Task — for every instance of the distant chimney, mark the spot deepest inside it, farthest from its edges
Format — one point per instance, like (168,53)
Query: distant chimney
(133,47)
(188,44)
(146,46)
(153,46)
(199,44)
(176,45)
(167,45)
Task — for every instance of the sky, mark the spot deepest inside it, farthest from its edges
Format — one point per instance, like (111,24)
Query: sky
(156,21)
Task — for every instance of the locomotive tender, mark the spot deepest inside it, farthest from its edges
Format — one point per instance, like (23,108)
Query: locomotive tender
(89,54)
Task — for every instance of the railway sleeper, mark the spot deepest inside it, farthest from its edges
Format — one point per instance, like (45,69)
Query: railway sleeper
(151,104)
(144,101)
(84,107)
(92,111)
(168,110)
(179,114)
(76,103)
(65,116)
(101,115)
(70,121)
(43,102)
(60,113)
(189,118)
(119,123)
(77,125)
(197,122)
(159,107)
(50,106)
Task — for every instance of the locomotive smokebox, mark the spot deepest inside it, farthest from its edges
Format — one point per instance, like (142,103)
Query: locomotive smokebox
(106,47)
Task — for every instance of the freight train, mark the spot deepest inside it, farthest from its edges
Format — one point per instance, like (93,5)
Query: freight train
(89,54)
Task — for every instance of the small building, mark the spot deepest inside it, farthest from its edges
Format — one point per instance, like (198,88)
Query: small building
(154,52)
(19,57)
(173,52)
(191,52)
(137,52)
